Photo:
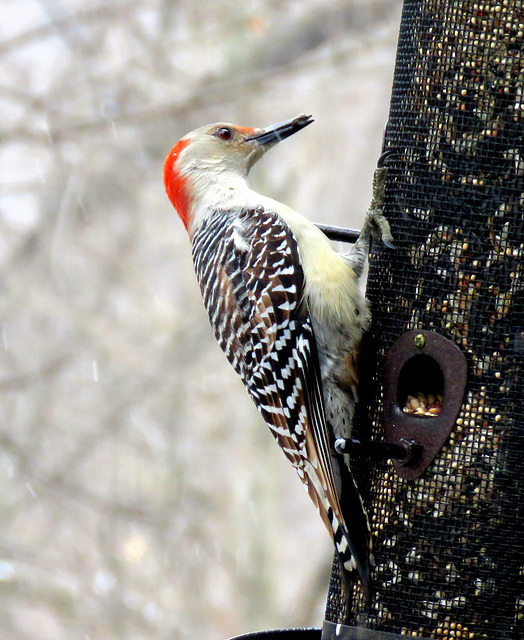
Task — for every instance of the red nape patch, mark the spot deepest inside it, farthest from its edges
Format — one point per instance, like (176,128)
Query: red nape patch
(176,184)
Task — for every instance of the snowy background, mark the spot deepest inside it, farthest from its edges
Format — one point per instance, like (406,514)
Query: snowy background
(141,496)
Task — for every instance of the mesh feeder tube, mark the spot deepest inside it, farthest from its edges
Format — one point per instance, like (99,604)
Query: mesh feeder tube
(448,541)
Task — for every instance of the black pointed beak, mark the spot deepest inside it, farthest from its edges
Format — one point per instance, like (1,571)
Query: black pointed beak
(277,132)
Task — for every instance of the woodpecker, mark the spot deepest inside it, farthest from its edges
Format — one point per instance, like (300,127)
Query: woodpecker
(285,308)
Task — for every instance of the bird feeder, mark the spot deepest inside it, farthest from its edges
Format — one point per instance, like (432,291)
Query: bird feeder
(443,362)
(442,367)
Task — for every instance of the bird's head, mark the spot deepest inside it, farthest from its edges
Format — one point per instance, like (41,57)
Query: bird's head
(218,152)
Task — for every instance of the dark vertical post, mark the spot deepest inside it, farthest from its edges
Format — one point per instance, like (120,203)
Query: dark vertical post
(449,544)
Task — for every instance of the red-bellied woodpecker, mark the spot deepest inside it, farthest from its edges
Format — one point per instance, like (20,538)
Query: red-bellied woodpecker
(285,308)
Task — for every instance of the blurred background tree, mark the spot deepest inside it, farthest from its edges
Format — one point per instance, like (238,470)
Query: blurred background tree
(141,494)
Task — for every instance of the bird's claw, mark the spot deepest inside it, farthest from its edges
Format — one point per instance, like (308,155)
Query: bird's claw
(379,227)
(384,157)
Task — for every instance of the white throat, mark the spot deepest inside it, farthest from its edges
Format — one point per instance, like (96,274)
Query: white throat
(211,192)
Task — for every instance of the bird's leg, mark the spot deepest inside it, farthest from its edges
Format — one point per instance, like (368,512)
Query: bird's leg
(375,225)
(375,215)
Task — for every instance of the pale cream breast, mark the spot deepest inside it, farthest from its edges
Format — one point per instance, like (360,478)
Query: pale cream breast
(332,288)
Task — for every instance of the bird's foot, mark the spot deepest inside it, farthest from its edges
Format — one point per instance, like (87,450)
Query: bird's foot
(375,225)
(379,228)
(375,222)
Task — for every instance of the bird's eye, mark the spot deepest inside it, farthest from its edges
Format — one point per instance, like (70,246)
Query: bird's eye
(224,133)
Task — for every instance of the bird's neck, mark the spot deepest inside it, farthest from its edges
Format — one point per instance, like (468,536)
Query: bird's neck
(211,192)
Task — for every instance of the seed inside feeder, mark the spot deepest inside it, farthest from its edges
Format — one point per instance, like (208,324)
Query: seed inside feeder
(423,405)
(421,387)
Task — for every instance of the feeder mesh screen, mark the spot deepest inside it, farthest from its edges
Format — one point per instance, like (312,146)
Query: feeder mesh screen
(449,546)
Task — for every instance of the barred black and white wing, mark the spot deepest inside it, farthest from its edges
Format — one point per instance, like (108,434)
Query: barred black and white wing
(248,266)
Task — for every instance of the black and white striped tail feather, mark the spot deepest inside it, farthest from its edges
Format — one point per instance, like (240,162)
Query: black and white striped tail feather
(356,551)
